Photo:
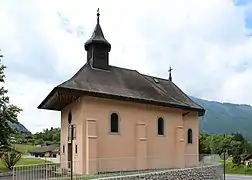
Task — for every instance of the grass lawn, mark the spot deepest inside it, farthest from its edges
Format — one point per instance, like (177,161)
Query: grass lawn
(239,170)
(24,148)
(23,161)
(231,169)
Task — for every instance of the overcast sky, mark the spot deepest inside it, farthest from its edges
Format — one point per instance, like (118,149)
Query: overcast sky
(208,43)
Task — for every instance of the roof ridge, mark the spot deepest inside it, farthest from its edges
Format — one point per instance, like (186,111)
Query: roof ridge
(141,73)
(156,77)
(123,68)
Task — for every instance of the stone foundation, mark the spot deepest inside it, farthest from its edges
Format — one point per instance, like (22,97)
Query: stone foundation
(213,172)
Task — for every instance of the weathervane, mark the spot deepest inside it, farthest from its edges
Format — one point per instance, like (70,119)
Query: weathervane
(170,76)
(98,16)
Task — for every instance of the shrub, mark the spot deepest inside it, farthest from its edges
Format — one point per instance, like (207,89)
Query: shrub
(11,158)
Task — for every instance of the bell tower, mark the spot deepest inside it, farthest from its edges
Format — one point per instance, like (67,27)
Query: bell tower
(98,48)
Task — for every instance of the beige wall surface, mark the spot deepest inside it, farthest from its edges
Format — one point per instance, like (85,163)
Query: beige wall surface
(137,145)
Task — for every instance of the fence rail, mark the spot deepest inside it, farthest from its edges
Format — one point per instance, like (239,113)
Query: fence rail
(45,171)
(104,167)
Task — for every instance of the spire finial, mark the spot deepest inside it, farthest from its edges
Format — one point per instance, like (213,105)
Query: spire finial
(170,76)
(98,16)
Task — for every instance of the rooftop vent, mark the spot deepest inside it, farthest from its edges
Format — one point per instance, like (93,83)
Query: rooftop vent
(156,80)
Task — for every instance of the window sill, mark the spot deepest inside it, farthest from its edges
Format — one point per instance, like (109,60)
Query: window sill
(114,133)
(159,135)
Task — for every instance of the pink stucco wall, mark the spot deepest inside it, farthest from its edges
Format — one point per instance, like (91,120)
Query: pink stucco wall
(137,145)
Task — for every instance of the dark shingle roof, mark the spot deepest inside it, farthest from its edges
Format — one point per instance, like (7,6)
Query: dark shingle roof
(44,149)
(127,84)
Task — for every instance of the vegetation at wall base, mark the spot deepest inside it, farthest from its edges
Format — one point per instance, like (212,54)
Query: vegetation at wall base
(242,169)
(235,144)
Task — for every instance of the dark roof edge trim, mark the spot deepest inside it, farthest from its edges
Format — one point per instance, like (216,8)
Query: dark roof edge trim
(50,95)
(201,112)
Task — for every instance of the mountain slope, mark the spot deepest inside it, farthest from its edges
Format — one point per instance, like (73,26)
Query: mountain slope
(18,126)
(226,117)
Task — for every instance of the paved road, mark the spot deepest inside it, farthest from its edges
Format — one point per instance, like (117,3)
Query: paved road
(238,177)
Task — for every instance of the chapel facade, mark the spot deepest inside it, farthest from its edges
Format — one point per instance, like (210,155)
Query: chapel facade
(122,119)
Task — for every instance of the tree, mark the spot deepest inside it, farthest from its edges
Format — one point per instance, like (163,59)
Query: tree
(240,151)
(218,143)
(39,142)
(204,147)
(8,112)
(49,136)
(11,158)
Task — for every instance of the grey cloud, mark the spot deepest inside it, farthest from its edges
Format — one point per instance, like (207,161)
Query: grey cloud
(187,49)
(78,31)
(65,23)
(36,58)
(243,66)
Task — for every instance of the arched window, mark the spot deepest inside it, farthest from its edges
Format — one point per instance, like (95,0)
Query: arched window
(114,123)
(160,127)
(189,136)
(69,118)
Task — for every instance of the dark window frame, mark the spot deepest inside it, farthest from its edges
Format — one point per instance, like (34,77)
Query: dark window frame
(160,126)
(70,117)
(189,136)
(114,123)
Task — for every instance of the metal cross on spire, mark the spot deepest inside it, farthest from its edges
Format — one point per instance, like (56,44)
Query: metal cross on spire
(98,16)
(170,76)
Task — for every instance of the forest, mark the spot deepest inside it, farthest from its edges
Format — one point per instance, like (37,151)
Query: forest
(46,137)
(234,144)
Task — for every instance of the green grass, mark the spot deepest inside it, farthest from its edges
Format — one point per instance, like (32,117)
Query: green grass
(231,169)
(23,161)
(24,148)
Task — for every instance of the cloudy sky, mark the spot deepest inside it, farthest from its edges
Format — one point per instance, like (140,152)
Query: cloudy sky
(207,42)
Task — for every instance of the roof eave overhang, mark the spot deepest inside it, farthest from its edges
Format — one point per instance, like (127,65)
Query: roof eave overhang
(48,98)
(54,93)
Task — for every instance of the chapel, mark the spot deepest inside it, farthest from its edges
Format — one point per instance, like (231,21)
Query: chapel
(114,119)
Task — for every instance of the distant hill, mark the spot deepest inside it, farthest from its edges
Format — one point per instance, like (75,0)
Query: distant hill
(18,126)
(226,117)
